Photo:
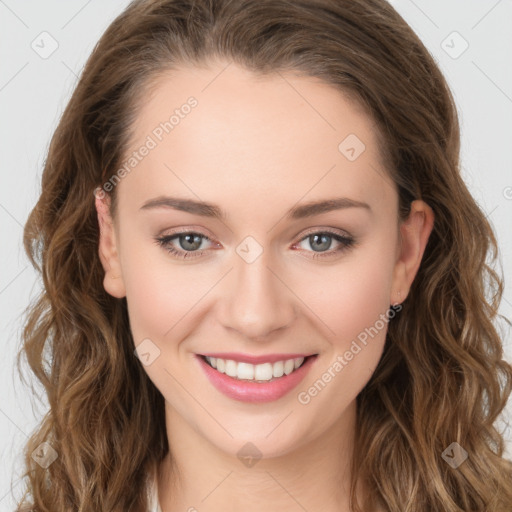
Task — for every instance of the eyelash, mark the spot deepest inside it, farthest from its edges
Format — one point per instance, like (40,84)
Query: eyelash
(164,241)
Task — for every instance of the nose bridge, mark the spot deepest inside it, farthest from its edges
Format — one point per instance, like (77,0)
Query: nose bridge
(256,302)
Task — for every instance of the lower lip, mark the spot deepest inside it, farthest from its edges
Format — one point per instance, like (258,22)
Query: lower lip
(247,391)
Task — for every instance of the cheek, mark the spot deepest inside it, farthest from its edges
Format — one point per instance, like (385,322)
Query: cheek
(356,292)
(357,310)
(159,292)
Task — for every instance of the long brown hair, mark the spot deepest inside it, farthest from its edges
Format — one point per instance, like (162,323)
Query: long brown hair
(442,377)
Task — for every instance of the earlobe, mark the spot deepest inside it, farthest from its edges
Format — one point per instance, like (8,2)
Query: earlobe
(107,248)
(414,234)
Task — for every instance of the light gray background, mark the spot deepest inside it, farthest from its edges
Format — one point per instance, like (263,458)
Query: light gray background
(34,92)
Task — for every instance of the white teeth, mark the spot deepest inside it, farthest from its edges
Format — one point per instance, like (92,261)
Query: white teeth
(258,372)
(288,366)
(245,371)
(230,368)
(278,369)
(263,371)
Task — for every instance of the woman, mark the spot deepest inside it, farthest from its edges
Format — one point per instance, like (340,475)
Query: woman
(265,281)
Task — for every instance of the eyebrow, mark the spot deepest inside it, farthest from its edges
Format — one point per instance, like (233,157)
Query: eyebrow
(206,209)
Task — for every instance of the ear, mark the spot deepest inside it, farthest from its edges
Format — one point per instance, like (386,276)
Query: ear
(108,248)
(414,235)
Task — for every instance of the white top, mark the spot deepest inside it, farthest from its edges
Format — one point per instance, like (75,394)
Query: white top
(153,504)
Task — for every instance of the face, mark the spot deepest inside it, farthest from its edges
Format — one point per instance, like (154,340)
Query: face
(260,274)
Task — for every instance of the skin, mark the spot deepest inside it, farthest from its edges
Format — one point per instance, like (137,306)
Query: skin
(257,147)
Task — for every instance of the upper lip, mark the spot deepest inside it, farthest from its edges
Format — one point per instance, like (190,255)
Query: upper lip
(247,358)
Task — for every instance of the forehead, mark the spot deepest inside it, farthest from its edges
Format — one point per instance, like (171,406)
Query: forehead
(221,131)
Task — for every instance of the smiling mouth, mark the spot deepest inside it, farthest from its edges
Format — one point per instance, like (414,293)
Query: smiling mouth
(260,373)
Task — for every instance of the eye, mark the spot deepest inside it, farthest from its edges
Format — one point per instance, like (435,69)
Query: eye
(189,243)
(321,242)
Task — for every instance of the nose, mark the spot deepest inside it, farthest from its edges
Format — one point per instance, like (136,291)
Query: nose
(257,301)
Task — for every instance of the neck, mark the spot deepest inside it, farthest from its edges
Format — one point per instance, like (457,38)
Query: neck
(196,475)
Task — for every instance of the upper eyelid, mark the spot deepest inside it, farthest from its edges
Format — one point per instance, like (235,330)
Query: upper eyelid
(311,231)
(308,232)
(332,231)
